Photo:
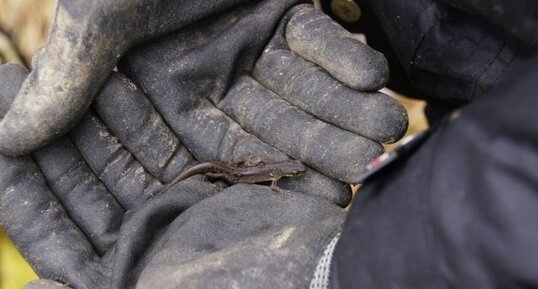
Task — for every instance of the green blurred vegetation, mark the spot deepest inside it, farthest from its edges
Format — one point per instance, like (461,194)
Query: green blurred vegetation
(14,272)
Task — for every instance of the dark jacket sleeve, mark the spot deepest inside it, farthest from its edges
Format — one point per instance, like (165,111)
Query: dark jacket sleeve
(449,52)
(455,50)
(459,212)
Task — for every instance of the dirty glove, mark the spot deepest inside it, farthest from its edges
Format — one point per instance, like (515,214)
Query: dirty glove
(210,89)
(201,82)
(63,206)
(197,78)
(82,212)
(87,39)
(154,155)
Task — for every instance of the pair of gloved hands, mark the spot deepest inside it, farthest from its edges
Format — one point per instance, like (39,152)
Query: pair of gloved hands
(267,79)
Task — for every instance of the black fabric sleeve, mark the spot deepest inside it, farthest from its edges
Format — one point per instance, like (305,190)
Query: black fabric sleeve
(448,52)
(462,210)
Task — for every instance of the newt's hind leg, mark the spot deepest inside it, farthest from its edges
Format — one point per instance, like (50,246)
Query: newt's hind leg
(213,177)
(276,188)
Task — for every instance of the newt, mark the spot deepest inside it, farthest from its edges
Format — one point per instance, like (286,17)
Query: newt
(244,172)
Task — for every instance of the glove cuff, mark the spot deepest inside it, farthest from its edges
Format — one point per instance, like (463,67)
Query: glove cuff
(320,280)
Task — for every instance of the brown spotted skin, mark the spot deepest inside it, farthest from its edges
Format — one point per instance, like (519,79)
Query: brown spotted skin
(242,172)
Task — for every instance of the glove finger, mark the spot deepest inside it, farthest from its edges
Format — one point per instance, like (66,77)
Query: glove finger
(313,89)
(319,39)
(70,69)
(33,217)
(86,201)
(40,228)
(113,164)
(373,115)
(328,149)
(130,116)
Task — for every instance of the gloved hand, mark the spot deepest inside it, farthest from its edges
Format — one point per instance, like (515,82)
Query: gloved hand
(87,38)
(204,130)
(82,212)
(188,73)
(247,236)
(207,87)
(198,78)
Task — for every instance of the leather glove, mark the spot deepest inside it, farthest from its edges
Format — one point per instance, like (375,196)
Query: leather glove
(82,212)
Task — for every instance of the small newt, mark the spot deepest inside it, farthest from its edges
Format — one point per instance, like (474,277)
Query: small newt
(244,172)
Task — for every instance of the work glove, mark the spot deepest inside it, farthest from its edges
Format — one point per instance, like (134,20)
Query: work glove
(196,79)
(83,213)
(224,98)
(87,38)
(137,151)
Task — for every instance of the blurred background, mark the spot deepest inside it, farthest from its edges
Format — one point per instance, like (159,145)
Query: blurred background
(24,27)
